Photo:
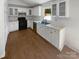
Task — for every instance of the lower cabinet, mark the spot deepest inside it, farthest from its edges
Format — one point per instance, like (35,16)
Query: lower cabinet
(30,24)
(13,26)
(54,36)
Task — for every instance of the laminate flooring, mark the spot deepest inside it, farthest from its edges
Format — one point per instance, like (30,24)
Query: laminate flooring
(26,44)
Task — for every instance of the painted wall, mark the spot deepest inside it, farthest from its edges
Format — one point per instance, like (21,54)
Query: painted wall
(72,35)
(3,27)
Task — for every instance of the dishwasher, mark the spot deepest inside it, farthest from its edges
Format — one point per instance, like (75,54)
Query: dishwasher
(34,26)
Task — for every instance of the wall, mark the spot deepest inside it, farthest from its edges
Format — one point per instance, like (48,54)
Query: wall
(3,27)
(73,26)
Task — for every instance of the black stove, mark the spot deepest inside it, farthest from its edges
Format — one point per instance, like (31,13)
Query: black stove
(22,23)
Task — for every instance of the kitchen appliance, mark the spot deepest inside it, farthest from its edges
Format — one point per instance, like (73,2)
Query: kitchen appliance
(22,23)
(34,26)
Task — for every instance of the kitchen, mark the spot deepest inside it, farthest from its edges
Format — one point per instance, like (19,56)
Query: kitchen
(43,25)
(49,19)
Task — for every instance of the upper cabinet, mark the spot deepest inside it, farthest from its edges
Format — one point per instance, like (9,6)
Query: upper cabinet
(22,10)
(10,11)
(13,12)
(54,9)
(61,8)
(36,11)
(30,12)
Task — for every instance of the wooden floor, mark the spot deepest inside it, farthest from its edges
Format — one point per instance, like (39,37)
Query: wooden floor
(26,44)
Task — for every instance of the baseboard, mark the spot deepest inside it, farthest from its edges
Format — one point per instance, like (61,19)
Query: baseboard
(68,45)
(2,55)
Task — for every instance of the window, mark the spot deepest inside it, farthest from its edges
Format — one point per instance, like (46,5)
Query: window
(47,14)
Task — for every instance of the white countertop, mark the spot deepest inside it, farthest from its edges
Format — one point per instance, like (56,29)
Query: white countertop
(54,26)
(13,20)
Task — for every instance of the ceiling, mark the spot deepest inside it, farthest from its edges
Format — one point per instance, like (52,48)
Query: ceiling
(27,3)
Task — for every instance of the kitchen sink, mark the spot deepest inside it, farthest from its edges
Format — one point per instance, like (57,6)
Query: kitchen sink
(45,23)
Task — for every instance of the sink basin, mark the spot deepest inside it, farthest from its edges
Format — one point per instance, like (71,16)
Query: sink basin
(45,23)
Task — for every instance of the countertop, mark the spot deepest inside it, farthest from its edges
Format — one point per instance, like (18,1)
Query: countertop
(13,20)
(54,26)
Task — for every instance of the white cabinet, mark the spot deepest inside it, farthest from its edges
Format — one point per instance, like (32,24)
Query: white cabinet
(60,8)
(39,29)
(30,24)
(13,26)
(10,11)
(22,9)
(28,11)
(36,11)
(64,8)
(54,36)
(54,9)
(13,12)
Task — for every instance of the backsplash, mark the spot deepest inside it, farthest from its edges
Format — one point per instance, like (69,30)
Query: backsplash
(57,20)
(38,18)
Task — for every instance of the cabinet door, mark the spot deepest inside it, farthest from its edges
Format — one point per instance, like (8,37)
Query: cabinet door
(39,29)
(62,6)
(30,24)
(54,9)
(16,12)
(10,11)
(19,9)
(36,11)
(44,32)
(48,35)
(55,38)
(30,12)
(13,26)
